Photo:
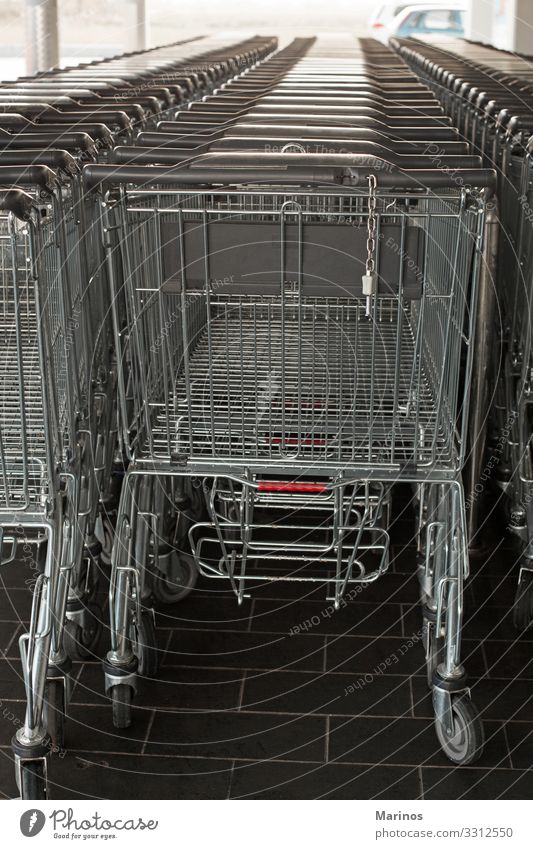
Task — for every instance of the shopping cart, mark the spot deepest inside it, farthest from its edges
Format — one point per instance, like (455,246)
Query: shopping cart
(296,327)
(491,98)
(45,460)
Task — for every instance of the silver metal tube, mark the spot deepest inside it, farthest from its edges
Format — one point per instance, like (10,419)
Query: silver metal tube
(480,395)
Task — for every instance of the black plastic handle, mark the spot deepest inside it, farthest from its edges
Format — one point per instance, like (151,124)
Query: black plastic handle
(59,160)
(30,175)
(17,202)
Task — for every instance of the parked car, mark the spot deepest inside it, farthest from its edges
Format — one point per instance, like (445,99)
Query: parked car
(446,19)
(380,21)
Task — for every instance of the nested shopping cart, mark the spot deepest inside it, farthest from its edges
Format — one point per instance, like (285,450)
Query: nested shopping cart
(489,92)
(45,460)
(296,328)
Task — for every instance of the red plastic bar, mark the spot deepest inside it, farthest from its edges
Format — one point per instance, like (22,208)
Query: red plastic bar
(290,486)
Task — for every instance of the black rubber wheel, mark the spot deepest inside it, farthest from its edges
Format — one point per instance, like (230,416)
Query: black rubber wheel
(144,645)
(107,544)
(465,744)
(33,780)
(523,602)
(181,580)
(121,696)
(55,712)
(82,643)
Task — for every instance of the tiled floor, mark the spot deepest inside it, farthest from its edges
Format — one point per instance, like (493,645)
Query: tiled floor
(245,707)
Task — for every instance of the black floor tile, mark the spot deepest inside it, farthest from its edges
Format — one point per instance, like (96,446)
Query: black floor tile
(493,589)
(239,735)
(275,780)
(470,783)
(9,634)
(354,618)
(409,742)
(89,776)
(95,724)
(186,688)
(520,738)
(11,719)
(211,613)
(391,655)
(15,604)
(11,681)
(325,693)
(8,786)
(403,559)
(245,651)
(507,659)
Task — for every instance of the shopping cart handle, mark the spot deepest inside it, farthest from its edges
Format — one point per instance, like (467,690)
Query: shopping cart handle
(125,155)
(145,176)
(28,175)
(59,160)
(17,202)
(77,142)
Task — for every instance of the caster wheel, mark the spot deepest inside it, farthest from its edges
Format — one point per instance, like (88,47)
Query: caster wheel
(120,696)
(171,587)
(144,645)
(523,602)
(433,647)
(197,508)
(55,712)
(81,643)
(33,780)
(465,744)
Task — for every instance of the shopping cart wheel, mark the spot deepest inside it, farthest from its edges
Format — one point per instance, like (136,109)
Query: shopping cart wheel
(523,602)
(55,712)
(175,584)
(120,695)
(33,780)
(107,539)
(83,629)
(464,744)
(144,644)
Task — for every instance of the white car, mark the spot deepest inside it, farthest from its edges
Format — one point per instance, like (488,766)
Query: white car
(446,19)
(380,22)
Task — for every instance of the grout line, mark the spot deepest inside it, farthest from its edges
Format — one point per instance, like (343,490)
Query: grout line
(251,616)
(77,680)
(485,660)
(509,752)
(411,691)
(167,646)
(148,731)
(16,632)
(421,782)
(326,741)
(241,690)
(230,782)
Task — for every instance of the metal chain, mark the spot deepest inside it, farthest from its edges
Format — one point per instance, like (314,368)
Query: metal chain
(371,237)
